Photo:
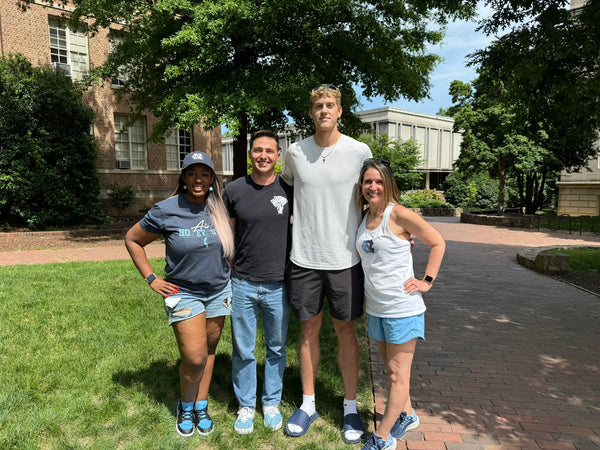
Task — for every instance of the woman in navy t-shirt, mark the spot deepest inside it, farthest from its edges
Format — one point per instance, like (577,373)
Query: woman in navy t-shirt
(196,288)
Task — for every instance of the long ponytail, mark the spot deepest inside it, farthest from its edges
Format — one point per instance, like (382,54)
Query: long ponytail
(218,213)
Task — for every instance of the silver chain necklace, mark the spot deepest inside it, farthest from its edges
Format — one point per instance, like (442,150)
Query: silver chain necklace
(322,149)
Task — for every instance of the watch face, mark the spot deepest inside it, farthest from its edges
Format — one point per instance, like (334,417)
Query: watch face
(428,279)
(150,278)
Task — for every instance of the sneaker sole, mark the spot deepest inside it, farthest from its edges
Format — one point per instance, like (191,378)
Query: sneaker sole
(413,425)
(182,434)
(204,433)
(244,430)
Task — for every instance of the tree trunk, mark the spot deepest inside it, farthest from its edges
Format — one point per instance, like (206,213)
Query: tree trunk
(501,186)
(240,149)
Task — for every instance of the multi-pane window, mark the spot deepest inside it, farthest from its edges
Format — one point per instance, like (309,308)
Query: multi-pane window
(121,77)
(130,142)
(178,144)
(68,49)
(227,157)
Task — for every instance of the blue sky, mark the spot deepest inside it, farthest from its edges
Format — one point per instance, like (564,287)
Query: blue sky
(460,40)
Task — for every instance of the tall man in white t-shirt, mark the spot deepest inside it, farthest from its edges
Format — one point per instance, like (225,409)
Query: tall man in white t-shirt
(324,170)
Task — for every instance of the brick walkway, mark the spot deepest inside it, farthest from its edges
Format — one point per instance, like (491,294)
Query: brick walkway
(512,357)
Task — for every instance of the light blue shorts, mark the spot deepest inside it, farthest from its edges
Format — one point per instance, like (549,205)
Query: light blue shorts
(396,330)
(187,304)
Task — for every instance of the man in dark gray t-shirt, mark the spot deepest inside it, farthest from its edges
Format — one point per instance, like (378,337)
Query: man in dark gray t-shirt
(260,208)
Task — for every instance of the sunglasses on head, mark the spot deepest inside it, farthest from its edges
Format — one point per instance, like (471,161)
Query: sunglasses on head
(333,87)
(385,162)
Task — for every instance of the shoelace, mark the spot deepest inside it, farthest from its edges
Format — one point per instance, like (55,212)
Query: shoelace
(371,443)
(270,411)
(186,415)
(245,413)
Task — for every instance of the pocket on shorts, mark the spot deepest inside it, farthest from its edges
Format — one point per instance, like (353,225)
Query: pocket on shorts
(171,302)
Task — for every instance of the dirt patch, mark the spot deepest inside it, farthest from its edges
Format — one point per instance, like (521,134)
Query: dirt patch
(585,279)
(43,240)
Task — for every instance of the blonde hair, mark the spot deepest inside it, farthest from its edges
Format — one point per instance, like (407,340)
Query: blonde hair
(217,211)
(326,90)
(390,189)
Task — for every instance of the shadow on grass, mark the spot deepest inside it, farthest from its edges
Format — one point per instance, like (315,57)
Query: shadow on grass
(160,382)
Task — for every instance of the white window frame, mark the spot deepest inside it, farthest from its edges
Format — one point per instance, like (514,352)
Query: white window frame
(131,142)
(68,49)
(177,144)
(121,77)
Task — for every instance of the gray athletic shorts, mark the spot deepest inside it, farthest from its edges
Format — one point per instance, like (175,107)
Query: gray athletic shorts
(307,288)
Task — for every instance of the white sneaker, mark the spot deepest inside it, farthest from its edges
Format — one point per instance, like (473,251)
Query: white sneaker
(245,420)
(272,417)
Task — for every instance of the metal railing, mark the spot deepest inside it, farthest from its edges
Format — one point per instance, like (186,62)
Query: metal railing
(566,222)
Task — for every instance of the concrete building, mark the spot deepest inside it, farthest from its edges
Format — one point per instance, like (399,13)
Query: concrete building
(125,156)
(579,193)
(438,143)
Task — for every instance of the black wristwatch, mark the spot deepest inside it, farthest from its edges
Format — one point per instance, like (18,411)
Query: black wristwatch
(428,279)
(150,278)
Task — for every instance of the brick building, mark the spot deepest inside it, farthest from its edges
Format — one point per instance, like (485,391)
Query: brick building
(125,156)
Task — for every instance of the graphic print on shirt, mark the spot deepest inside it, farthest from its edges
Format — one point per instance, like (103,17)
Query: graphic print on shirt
(279,202)
(199,230)
(367,246)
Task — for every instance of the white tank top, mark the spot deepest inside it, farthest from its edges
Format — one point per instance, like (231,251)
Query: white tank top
(387,264)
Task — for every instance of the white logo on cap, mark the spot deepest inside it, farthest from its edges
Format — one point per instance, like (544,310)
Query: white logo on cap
(197,156)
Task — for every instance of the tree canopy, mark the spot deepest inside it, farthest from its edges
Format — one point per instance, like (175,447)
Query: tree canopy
(403,156)
(48,175)
(535,106)
(251,64)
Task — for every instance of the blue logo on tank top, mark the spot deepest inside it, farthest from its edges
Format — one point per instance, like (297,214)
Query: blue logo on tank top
(367,246)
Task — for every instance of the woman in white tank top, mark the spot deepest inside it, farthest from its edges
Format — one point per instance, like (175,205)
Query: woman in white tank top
(393,299)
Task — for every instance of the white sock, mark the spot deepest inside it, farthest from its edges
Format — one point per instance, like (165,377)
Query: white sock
(308,404)
(350,407)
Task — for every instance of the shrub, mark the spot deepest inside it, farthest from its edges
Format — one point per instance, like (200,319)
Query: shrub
(425,198)
(48,175)
(121,197)
(474,192)
(403,157)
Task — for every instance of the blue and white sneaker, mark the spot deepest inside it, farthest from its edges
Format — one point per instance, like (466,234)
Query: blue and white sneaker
(374,442)
(272,417)
(245,420)
(404,423)
(185,419)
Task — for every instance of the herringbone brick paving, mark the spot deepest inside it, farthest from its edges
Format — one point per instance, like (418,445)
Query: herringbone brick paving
(512,357)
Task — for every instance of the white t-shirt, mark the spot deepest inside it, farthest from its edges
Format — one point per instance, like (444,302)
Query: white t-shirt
(325,216)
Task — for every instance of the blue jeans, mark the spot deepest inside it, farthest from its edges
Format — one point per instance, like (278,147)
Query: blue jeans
(249,298)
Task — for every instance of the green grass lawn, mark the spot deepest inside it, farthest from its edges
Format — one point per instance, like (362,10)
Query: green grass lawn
(88,361)
(583,258)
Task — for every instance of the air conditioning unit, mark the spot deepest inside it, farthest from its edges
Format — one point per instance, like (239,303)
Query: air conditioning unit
(61,67)
(123,164)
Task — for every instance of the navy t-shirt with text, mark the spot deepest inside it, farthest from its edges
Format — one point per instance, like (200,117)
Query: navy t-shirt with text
(194,254)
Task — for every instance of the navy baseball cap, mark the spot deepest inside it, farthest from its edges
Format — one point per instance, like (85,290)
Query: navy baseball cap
(197,158)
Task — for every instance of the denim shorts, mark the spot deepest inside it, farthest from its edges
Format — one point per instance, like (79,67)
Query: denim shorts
(396,330)
(187,304)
